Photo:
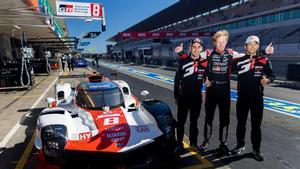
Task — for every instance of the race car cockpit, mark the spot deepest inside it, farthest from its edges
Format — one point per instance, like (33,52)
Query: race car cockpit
(96,96)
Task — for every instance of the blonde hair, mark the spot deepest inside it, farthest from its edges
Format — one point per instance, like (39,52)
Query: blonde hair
(221,33)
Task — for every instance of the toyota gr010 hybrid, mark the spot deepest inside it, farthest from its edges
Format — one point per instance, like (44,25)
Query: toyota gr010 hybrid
(101,124)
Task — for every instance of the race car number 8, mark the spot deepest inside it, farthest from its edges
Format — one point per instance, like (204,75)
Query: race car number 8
(111,121)
(95,9)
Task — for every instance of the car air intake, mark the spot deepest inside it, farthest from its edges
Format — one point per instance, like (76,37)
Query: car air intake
(60,95)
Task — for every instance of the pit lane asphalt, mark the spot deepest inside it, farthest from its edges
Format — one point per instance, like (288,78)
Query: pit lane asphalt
(19,111)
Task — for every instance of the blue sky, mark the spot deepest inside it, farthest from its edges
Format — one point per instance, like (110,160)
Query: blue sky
(120,15)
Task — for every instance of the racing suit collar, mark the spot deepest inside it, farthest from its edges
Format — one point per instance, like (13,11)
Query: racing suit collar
(220,52)
(254,56)
(194,58)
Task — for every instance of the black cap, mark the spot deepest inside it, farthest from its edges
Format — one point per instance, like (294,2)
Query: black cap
(197,40)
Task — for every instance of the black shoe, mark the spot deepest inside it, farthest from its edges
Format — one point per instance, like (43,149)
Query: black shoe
(204,146)
(238,149)
(223,149)
(258,156)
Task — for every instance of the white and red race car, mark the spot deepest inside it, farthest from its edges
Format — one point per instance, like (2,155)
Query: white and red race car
(101,124)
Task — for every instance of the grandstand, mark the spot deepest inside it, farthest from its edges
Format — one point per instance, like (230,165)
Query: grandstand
(276,21)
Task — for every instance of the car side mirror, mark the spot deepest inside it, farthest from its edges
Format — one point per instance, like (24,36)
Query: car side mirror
(145,93)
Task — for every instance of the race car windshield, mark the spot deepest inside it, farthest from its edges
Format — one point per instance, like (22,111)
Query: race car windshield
(99,99)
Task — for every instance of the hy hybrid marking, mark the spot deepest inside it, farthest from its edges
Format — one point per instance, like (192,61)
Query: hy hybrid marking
(279,106)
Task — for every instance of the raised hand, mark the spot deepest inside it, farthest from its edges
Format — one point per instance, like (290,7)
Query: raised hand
(179,48)
(269,49)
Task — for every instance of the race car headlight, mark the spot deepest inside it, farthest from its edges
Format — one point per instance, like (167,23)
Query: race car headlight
(54,138)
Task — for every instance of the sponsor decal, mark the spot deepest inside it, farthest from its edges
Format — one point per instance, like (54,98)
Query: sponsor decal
(183,34)
(216,68)
(66,8)
(94,10)
(258,71)
(108,115)
(118,139)
(142,129)
(142,34)
(117,134)
(171,34)
(85,136)
(116,128)
(156,34)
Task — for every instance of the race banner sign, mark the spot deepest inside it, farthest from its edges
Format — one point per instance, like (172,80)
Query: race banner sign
(94,10)
(163,34)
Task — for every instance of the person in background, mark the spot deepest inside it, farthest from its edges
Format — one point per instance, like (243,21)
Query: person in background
(70,61)
(62,60)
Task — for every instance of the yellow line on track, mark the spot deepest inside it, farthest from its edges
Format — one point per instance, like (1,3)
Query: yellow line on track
(25,155)
(204,162)
(21,163)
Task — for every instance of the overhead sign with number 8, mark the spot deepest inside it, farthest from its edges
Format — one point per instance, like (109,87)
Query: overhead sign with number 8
(79,9)
(96,10)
